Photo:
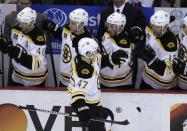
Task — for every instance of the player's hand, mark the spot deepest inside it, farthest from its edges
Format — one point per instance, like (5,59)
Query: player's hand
(82,110)
(3,45)
(49,25)
(119,57)
(137,35)
(178,66)
(14,52)
(147,54)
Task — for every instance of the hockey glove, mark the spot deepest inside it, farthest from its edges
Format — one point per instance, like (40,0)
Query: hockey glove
(137,35)
(178,66)
(20,56)
(3,45)
(49,25)
(118,57)
(147,54)
(82,110)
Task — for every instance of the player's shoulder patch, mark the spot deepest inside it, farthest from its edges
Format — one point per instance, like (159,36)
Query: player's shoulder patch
(37,36)
(40,38)
(171,45)
(169,41)
(123,42)
(85,71)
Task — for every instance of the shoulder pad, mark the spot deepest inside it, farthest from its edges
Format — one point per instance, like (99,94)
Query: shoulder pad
(37,36)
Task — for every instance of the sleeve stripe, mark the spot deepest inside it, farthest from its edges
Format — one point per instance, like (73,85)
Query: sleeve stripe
(34,65)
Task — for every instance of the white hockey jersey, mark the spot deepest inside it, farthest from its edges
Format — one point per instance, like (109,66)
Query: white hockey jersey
(84,80)
(165,49)
(119,75)
(34,44)
(182,78)
(68,52)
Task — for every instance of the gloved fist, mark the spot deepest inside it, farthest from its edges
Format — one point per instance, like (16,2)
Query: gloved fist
(82,110)
(14,52)
(147,54)
(49,25)
(3,45)
(137,35)
(119,57)
(178,66)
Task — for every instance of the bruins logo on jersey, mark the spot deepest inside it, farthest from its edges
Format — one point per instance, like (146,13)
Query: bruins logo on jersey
(85,71)
(123,42)
(170,45)
(40,38)
(66,57)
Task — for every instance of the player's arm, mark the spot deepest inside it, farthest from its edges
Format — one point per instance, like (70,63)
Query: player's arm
(114,58)
(16,53)
(179,63)
(149,56)
(78,95)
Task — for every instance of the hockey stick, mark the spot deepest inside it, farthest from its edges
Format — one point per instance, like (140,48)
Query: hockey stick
(49,45)
(47,111)
(125,122)
(52,59)
(2,59)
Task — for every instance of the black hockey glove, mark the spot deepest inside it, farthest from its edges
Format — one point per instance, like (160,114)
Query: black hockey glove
(49,25)
(118,57)
(178,66)
(20,56)
(137,35)
(82,110)
(3,45)
(147,54)
(14,52)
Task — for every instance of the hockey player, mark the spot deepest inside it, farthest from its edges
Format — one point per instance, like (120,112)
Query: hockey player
(85,86)
(27,50)
(70,35)
(159,54)
(180,62)
(116,38)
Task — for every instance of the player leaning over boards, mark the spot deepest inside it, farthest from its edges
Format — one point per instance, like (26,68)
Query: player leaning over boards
(70,34)
(27,50)
(159,54)
(85,86)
